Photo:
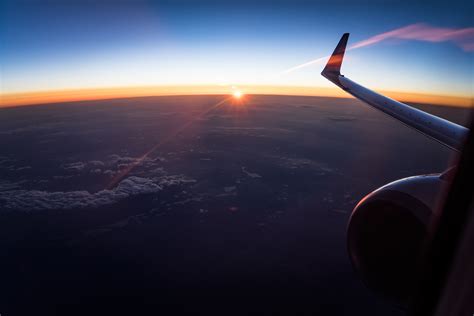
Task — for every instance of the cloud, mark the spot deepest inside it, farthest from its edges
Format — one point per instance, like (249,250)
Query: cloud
(170,180)
(461,37)
(149,178)
(13,198)
(74,166)
(96,163)
(7,185)
(295,163)
(250,174)
(117,159)
(23,168)
(34,200)
(109,172)
(110,166)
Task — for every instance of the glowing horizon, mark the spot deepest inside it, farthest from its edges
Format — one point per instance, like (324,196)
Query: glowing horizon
(90,94)
(78,51)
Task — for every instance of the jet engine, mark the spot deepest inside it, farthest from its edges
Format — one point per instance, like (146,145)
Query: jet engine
(386,230)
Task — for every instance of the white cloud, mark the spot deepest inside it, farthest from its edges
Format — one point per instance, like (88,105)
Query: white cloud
(149,178)
(109,172)
(12,198)
(250,174)
(34,200)
(174,180)
(23,168)
(96,163)
(110,166)
(294,163)
(73,166)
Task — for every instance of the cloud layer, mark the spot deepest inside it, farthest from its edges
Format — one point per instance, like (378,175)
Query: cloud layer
(34,200)
(150,177)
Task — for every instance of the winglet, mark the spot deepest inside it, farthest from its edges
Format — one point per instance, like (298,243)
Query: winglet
(333,67)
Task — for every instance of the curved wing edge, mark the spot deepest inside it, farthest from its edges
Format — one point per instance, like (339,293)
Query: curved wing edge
(447,133)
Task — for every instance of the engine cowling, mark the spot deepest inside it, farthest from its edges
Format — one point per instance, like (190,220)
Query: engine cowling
(386,230)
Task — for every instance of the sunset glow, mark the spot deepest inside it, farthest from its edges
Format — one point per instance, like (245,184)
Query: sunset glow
(163,50)
(68,95)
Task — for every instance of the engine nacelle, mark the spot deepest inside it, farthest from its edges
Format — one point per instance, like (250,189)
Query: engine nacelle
(386,231)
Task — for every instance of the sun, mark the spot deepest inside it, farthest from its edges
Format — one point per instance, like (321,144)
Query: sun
(237,94)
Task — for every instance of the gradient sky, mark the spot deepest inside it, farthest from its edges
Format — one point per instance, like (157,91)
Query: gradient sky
(52,45)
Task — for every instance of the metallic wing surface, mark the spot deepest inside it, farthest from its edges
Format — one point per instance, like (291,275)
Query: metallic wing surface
(447,133)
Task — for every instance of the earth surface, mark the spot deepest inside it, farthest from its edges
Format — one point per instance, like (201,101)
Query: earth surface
(195,204)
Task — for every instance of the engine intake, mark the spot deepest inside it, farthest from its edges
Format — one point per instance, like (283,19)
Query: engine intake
(386,230)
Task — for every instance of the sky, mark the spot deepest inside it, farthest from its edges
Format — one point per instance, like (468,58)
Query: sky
(415,46)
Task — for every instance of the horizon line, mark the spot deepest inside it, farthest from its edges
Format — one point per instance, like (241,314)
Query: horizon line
(16,99)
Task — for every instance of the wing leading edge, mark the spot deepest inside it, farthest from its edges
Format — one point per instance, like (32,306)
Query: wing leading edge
(447,133)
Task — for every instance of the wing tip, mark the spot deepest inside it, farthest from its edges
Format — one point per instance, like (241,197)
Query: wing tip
(333,66)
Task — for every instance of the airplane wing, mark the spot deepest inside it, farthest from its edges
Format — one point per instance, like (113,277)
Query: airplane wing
(447,133)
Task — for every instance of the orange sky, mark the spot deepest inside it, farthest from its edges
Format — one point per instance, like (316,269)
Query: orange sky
(40,97)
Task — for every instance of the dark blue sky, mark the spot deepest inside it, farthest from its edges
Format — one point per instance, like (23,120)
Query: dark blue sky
(48,45)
